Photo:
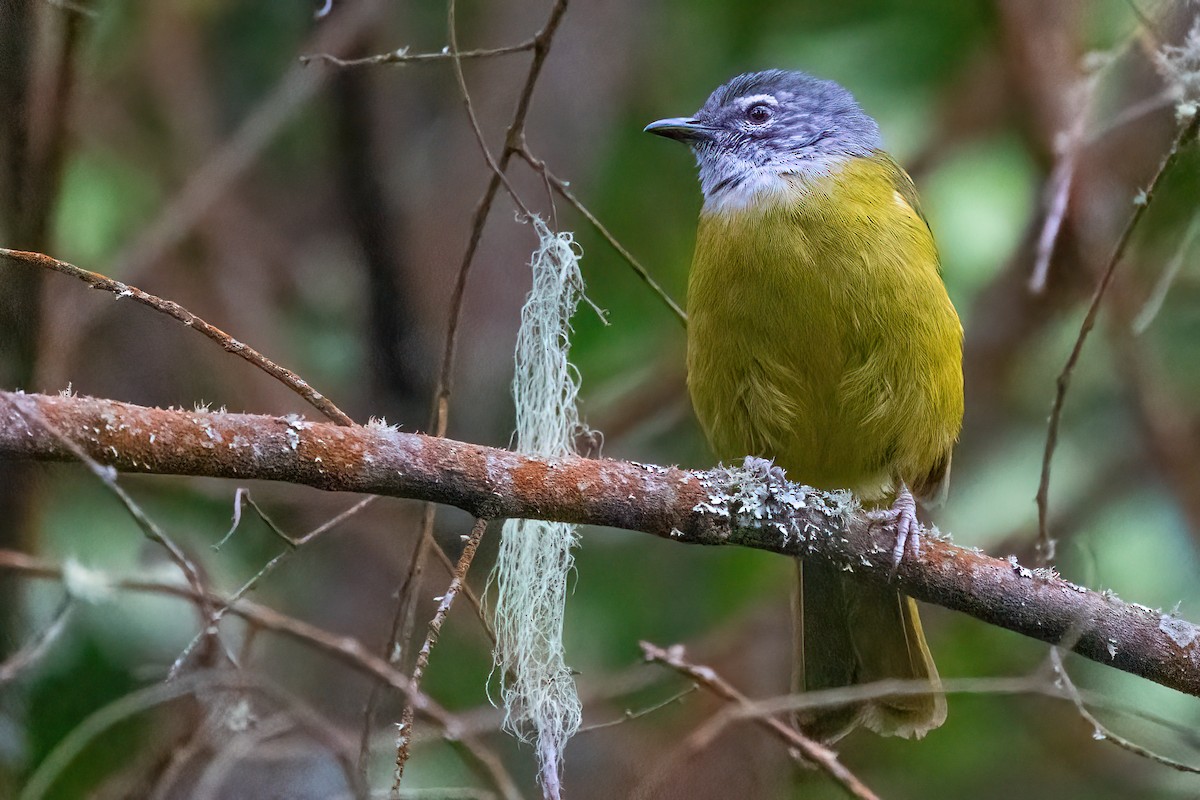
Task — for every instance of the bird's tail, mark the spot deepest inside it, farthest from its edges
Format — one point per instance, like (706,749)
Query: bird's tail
(849,632)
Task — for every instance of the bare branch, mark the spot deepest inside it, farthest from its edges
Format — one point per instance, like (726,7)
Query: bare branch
(108,476)
(1187,132)
(1042,683)
(173,309)
(402,56)
(36,647)
(405,616)
(346,649)
(695,507)
(512,137)
(631,715)
(93,727)
(560,186)
(1102,732)
(816,753)
(435,629)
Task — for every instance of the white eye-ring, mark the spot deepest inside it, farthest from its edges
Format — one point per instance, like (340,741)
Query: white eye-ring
(758,109)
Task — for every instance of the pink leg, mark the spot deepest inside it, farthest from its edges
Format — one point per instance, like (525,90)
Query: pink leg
(903,514)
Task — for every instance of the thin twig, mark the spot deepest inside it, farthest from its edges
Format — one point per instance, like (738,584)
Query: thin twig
(349,651)
(108,476)
(1100,731)
(237,746)
(467,592)
(76,8)
(1041,683)
(353,652)
(1144,21)
(92,727)
(435,629)
(405,617)
(345,649)
(1166,279)
(219,612)
(1069,147)
(819,755)
(631,715)
(483,208)
(176,311)
(335,520)
(465,94)
(402,56)
(563,189)
(38,646)
(1186,132)
(1136,111)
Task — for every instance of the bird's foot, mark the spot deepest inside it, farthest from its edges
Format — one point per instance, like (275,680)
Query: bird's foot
(902,514)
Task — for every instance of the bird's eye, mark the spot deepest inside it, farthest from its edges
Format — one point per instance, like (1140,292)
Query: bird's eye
(759,114)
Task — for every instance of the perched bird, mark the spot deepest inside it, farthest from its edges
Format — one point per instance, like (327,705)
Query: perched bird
(820,336)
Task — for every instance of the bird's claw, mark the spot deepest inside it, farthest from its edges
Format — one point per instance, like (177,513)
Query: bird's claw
(902,514)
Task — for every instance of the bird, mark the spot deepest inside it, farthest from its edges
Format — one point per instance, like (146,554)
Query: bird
(820,336)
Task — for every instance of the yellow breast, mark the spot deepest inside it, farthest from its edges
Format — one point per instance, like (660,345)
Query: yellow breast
(820,333)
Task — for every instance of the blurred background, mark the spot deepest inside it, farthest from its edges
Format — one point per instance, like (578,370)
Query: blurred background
(321,214)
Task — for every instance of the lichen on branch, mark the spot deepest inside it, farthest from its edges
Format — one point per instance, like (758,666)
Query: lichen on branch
(668,502)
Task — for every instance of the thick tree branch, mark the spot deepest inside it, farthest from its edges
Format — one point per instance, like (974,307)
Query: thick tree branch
(749,507)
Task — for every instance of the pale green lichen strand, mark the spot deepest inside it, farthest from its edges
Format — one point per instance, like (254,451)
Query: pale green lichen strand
(541,704)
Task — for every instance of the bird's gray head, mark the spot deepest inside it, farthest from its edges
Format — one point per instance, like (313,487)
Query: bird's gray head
(763,126)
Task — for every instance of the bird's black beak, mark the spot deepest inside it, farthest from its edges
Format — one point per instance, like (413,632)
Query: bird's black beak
(683,129)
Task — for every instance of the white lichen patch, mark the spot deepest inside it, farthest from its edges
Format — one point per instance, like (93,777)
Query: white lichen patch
(934,532)
(1024,572)
(758,495)
(84,583)
(238,717)
(1180,67)
(1179,631)
(297,422)
(497,474)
